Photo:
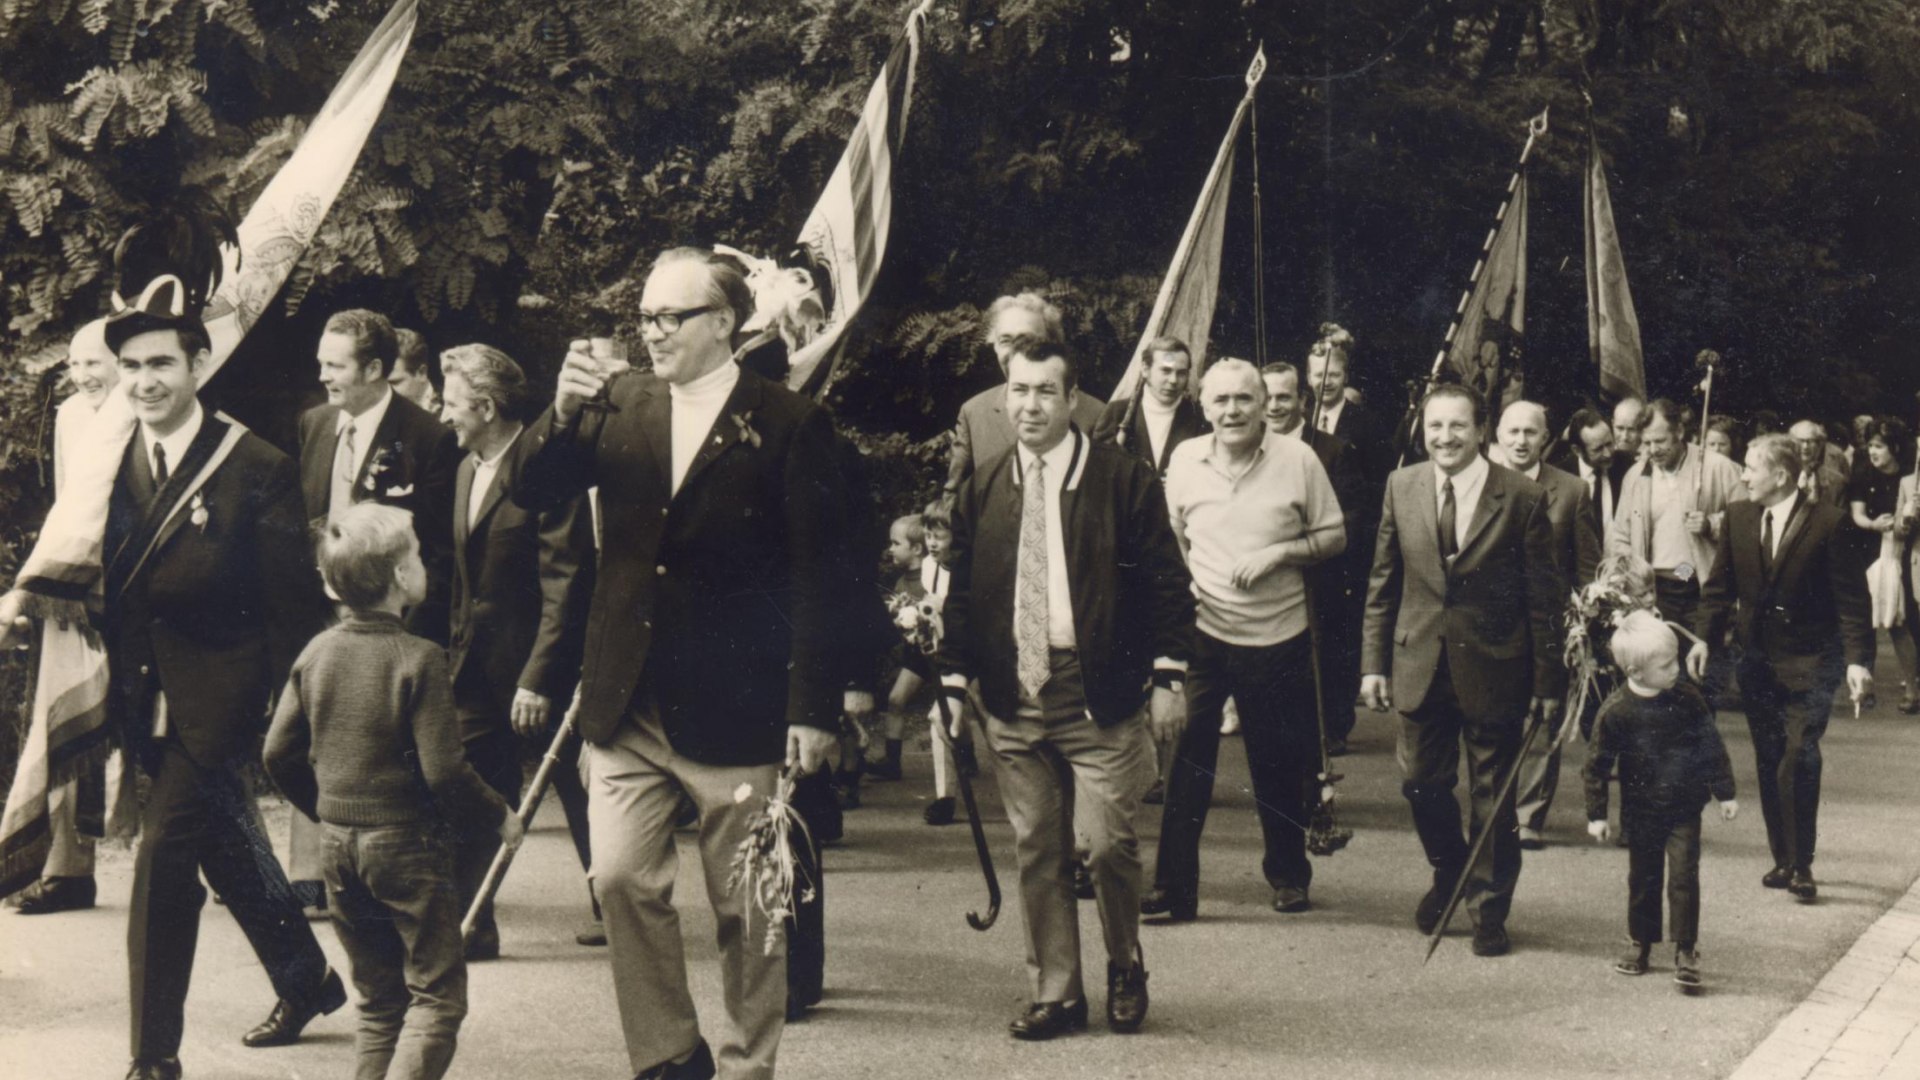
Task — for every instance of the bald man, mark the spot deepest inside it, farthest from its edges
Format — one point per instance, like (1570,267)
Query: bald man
(1576,549)
(1629,420)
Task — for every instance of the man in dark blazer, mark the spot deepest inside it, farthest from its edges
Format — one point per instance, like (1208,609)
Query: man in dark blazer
(1588,454)
(1576,550)
(984,432)
(520,586)
(1459,639)
(1159,415)
(1801,618)
(210,597)
(1288,404)
(1070,539)
(711,651)
(369,443)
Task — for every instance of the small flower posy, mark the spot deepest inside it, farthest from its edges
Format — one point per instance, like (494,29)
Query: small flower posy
(744,422)
(383,458)
(918,620)
(764,862)
(198,511)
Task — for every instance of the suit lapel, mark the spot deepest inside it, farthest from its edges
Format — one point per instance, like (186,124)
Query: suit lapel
(462,498)
(1493,500)
(385,434)
(656,427)
(725,433)
(317,472)
(1796,526)
(161,522)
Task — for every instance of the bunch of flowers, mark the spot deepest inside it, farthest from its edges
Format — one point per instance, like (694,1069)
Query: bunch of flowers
(918,619)
(764,863)
(1593,613)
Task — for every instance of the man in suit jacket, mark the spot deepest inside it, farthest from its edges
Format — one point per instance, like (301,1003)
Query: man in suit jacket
(1159,415)
(1334,610)
(1672,508)
(984,431)
(210,596)
(1801,618)
(1576,550)
(711,651)
(1824,476)
(1068,597)
(520,586)
(369,443)
(1588,453)
(1459,638)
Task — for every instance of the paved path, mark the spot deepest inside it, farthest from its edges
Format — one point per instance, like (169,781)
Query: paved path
(1337,992)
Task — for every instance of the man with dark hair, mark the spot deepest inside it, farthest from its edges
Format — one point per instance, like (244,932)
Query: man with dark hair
(985,431)
(1459,639)
(416,371)
(369,444)
(1068,597)
(1672,506)
(1801,619)
(687,689)
(1588,453)
(1159,415)
(210,594)
(520,586)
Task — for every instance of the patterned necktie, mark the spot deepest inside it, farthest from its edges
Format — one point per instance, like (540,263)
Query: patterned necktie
(1030,595)
(1766,541)
(341,496)
(1449,532)
(160,473)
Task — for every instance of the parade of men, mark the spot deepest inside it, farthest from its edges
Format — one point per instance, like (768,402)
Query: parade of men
(1159,502)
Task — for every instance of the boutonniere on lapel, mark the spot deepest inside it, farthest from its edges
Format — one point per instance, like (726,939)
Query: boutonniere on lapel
(197,511)
(383,461)
(744,422)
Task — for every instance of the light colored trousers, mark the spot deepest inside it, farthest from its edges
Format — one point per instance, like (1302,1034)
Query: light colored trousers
(72,853)
(1061,779)
(633,786)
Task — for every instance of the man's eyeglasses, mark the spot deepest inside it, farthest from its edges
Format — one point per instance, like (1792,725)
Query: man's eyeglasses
(669,321)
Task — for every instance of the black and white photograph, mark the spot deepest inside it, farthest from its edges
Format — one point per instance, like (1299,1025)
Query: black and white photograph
(1373,539)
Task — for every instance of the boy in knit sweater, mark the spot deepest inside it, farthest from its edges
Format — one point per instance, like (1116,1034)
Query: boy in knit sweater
(364,741)
(1671,761)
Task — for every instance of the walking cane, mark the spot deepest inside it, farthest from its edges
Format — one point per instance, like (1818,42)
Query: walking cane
(1324,835)
(529,805)
(1534,724)
(966,766)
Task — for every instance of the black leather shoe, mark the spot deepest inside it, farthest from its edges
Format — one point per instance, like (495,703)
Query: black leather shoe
(1156,795)
(697,1067)
(1432,905)
(484,946)
(938,812)
(593,934)
(1172,905)
(1686,970)
(1777,878)
(155,1069)
(51,895)
(1288,900)
(1490,939)
(283,1026)
(1045,1019)
(1082,881)
(1126,997)
(1336,747)
(1802,886)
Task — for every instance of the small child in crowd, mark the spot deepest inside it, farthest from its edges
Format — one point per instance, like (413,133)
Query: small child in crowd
(364,741)
(936,579)
(906,550)
(1671,760)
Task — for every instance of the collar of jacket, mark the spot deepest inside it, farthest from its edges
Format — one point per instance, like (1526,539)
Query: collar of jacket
(1076,464)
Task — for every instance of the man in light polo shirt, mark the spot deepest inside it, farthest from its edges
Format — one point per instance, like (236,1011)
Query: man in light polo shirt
(1672,506)
(1251,510)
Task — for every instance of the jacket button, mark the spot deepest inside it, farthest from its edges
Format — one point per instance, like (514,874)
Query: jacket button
(145,670)
(663,511)
(660,571)
(646,624)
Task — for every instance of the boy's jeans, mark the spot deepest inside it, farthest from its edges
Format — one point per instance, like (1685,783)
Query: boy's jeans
(391,892)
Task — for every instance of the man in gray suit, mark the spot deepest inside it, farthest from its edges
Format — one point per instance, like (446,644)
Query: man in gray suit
(984,432)
(1459,638)
(1576,550)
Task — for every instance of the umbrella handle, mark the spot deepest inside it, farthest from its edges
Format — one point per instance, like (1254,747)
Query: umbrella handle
(966,767)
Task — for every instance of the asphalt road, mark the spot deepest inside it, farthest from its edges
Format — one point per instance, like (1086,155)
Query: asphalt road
(913,992)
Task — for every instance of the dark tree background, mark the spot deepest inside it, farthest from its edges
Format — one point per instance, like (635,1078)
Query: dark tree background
(533,156)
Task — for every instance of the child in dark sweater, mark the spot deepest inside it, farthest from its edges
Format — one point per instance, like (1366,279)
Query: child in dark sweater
(364,741)
(1671,761)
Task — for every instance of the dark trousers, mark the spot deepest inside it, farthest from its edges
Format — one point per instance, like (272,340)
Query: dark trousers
(1431,741)
(395,907)
(1273,685)
(201,820)
(1677,601)
(495,755)
(1786,724)
(807,929)
(1340,605)
(1673,847)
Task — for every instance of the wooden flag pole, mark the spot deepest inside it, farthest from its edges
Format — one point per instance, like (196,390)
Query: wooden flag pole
(1536,127)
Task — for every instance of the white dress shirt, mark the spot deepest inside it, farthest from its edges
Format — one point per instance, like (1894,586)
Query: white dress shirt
(1779,513)
(1467,486)
(363,427)
(1057,463)
(175,444)
(484,470)
(1330,413)
(696,407)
